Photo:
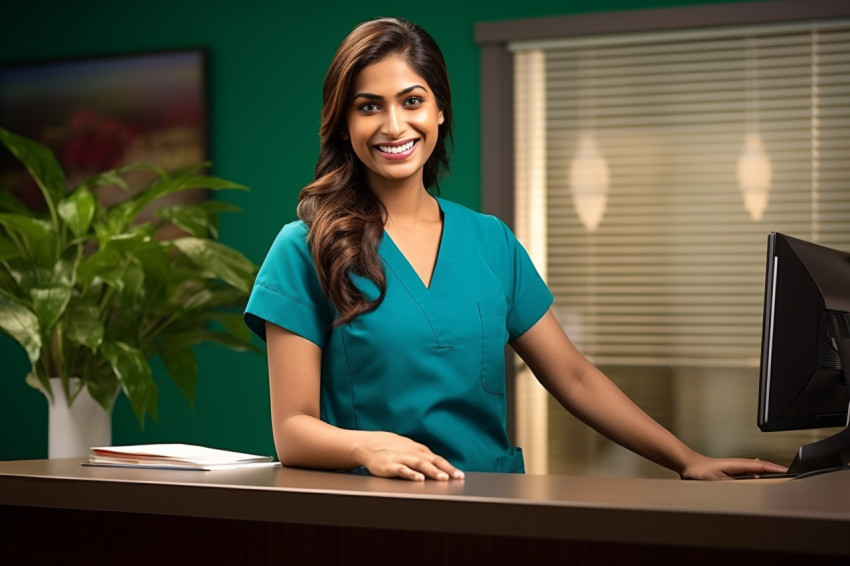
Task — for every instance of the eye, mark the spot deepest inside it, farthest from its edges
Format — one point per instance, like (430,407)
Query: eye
(369,108)
(413,102)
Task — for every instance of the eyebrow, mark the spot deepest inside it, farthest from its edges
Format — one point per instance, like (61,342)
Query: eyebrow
(371,96)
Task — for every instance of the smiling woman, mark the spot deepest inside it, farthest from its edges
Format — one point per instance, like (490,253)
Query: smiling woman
(393,127)
(345,229)
(394,122)
(387,310)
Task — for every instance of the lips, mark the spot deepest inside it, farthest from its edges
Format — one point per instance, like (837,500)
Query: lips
(397,150)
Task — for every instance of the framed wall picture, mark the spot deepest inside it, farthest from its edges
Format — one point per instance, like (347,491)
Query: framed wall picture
(103,112)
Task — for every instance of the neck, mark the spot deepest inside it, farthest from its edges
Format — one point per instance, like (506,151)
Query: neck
(406,203)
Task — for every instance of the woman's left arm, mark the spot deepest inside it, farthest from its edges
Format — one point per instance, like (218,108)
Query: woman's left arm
(593,398)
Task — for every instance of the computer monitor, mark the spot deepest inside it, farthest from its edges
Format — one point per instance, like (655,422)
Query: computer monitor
(805,357)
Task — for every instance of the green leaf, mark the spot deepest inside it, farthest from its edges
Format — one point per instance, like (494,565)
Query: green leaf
(133,291)
(200,334)
(154,259)
(103,390)
(111,225)
(222,261)
(11,203)
(40,383)
(193,169)
(116,176)
(106,265)
(234,325)
(200,220)
(216,207)
(9,285)
(22,325)
(77,210)
(41,164)
(34,236)
(64,271)
(49,304)
(8,249)
(85,326)
(135,376)
(182,365)
(129,242)
(131,208)
(107,178)
(194,299)
(26,275)
(222,296)
(121,260)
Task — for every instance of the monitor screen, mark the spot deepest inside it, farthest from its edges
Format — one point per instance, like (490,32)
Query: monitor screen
(805,359)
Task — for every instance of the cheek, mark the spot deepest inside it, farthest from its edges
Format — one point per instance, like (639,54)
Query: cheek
(359,132)
(429,124)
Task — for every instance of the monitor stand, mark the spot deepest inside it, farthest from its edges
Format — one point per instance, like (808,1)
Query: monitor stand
(832,453)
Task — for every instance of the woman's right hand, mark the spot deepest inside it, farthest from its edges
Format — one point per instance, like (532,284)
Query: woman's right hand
(386,454)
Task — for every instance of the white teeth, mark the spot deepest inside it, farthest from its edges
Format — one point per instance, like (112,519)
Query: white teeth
(396,149)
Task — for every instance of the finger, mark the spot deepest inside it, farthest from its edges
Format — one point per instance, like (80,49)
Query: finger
(446,466)
(771,468)
(424,465)
(765,466)
(432,466)
(436,467)
(430,470)
(407,473)
(741,466)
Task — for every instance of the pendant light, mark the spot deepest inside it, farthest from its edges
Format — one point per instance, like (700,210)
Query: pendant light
(755,172)
(589,180)
(589,176)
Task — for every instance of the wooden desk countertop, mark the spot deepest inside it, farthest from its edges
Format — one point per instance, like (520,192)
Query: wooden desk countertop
(810,515)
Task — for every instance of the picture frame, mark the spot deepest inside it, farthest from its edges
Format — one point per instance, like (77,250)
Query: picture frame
(97,113)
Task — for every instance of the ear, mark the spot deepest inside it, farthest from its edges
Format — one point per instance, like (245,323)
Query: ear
(440,118)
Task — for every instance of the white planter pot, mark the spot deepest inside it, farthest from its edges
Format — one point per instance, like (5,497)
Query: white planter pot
(72,431)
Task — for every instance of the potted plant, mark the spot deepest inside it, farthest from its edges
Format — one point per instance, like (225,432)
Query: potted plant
(92,294)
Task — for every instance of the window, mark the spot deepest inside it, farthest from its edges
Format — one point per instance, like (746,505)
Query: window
(648,168)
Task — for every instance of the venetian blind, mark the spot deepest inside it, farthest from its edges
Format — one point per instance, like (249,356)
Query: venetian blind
(674,272)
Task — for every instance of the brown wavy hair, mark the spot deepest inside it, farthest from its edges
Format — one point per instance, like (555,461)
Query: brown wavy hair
(345,219)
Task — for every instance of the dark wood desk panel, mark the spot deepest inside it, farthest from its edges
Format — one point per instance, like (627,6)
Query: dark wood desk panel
(256,511)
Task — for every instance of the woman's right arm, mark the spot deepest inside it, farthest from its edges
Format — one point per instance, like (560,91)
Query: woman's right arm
(302,439)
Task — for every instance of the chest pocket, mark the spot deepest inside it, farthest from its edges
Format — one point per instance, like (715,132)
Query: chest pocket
(494,336)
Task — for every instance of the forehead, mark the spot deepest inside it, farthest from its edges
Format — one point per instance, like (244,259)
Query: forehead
(392,74)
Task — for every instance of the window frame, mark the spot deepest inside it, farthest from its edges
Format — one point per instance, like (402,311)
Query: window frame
(497,80)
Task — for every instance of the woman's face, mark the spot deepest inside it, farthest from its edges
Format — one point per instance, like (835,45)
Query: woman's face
(393,122)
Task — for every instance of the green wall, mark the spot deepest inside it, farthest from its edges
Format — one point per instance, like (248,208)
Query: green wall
(268,59)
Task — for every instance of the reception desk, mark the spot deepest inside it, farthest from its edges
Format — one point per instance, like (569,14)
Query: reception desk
(60,510)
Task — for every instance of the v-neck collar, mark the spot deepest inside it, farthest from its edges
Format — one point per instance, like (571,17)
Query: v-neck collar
(432,299)
(401,265)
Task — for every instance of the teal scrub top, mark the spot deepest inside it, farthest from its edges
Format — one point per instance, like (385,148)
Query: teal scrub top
(429,362)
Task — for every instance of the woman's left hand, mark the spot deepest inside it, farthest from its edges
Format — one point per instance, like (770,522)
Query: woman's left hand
(705,468)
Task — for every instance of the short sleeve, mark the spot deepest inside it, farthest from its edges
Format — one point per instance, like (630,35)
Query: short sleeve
(529,296)
(287,292)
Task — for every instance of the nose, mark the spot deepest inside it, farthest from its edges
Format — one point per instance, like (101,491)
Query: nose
(394,122)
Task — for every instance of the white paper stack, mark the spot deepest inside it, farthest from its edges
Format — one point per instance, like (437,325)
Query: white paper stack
(175,457)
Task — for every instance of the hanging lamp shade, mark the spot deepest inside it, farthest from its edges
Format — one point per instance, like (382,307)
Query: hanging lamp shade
(589,181)
(754,175)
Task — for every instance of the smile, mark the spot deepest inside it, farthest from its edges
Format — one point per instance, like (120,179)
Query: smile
(397,150)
